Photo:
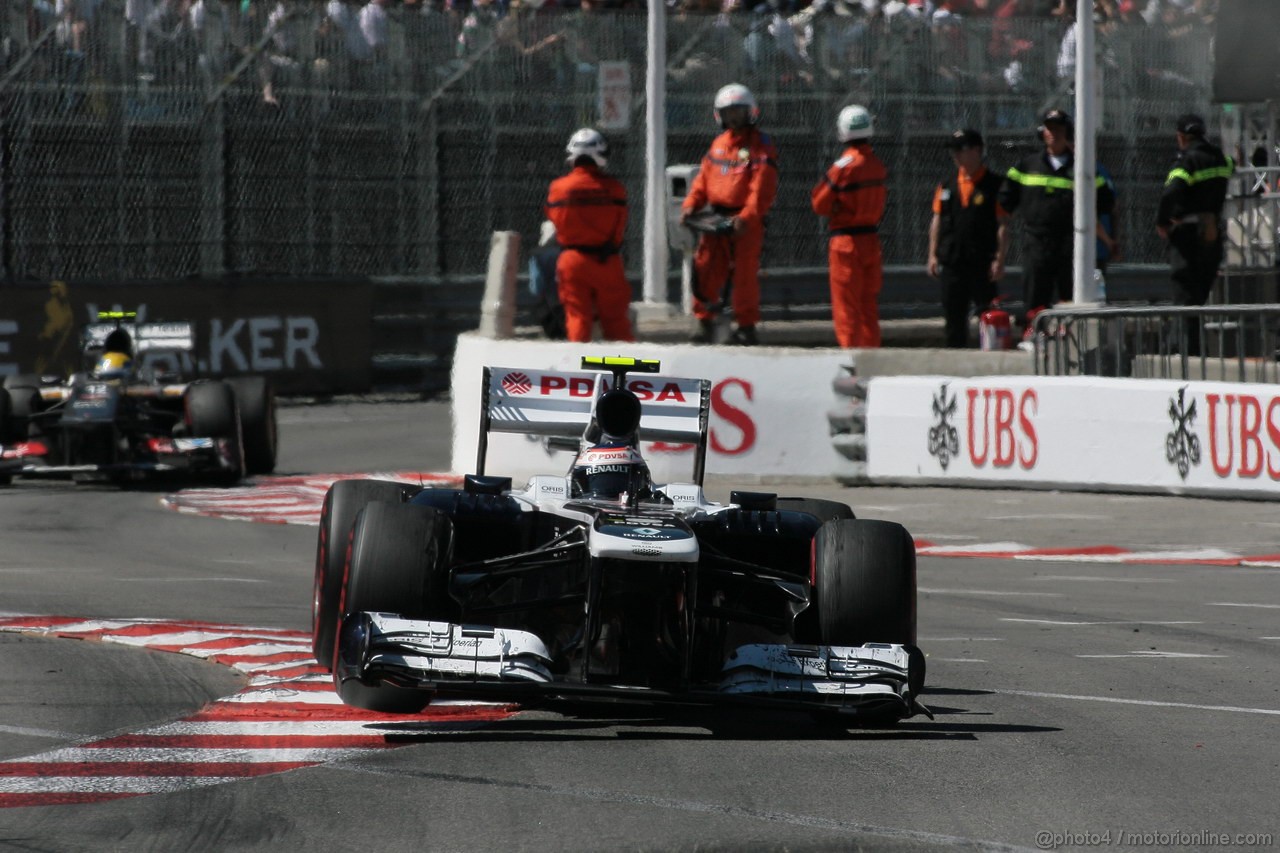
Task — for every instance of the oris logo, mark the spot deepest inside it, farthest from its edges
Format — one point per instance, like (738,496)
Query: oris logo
(516,383)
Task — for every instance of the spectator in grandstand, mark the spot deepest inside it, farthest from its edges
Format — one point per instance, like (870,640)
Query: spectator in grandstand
(477,28)
(170,40)
(344,18)
(1041,188)
(375,25)
(278,58)
(589,211)
(71,33)
(738,179)
(1127,14)
(968,237)
(851,195)
(773,47)
(1190,217)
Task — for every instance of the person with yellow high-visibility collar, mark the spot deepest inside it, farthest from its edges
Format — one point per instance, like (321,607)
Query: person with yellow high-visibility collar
(1190,217)
(1040,189)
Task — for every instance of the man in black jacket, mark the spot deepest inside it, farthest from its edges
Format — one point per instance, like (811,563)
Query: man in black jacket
(969,236)
(1042,187)
(1190,217)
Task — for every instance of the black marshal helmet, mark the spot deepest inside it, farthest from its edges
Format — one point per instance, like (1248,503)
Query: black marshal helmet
(611,470)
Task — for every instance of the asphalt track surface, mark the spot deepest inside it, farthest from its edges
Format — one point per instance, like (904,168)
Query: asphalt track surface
(1078,703)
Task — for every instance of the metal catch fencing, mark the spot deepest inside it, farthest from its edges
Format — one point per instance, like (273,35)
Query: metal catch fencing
(212,138)
(1229,343)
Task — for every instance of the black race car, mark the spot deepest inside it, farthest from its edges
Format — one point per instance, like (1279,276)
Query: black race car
(603,584)
(132,412)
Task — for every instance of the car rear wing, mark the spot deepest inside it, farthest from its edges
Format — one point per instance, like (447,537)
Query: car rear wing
(561,404)
(146,337)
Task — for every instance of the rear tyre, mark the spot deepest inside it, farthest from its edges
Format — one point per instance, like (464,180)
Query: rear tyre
(342,504)
(397,564)
(823,510)
(865,583)
(256,400)
(211,413)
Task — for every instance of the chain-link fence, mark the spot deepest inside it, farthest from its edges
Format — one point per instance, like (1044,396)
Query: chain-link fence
(169,138)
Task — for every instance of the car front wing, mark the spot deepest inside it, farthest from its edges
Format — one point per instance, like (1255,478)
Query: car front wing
(874,680)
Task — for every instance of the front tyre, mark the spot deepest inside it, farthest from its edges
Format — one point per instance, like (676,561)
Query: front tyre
(342,503)
(398,563)
(256,400)
(865,583)
(211,412)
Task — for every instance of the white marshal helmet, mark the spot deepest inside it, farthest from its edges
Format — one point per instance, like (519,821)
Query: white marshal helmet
(588,142)
(853,123)
(736,95)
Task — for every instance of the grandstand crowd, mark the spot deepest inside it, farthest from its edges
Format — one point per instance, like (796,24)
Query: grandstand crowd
(362,25)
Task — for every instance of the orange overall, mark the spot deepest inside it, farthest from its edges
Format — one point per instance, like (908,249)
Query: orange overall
(589,210)
(738,177)
(852,195)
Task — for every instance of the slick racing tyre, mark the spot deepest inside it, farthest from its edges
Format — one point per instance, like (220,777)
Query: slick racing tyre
(256,400)
(821,509)
(397,563)
(342,504)
(211,413)
(865,583)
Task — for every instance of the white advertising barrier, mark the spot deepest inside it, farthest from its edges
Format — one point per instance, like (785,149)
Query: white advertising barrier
(768,407)
(1157,435)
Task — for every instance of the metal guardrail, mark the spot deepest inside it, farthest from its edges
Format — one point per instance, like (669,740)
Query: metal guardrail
(1238,343)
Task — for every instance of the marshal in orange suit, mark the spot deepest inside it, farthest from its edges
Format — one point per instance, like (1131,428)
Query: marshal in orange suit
(852,195)
(589,211)
(738,178)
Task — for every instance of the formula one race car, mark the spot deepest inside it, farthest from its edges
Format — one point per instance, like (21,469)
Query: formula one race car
(131,413)
(601,584)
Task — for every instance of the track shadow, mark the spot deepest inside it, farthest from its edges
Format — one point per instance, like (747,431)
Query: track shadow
(569,722)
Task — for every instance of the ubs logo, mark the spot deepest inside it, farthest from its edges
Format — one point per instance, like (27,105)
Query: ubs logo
(944,439)
(1182,445)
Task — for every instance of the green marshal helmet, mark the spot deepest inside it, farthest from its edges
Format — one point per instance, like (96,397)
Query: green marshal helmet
(854,123)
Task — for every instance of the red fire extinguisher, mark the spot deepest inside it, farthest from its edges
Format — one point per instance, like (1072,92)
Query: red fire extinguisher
(994,328)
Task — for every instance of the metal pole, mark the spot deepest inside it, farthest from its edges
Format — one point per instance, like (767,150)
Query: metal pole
(1086,202)
(655,191)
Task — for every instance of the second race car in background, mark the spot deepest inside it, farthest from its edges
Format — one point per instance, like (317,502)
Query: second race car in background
(133,413)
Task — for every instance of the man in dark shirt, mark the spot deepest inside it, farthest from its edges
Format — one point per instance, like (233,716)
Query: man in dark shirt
(969,236)
(1042,187)
(1190,217)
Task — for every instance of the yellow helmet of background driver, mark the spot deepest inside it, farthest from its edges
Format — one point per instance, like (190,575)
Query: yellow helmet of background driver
(113,365)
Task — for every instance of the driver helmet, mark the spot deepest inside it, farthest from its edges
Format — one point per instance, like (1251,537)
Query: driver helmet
(610,470)
(113,365)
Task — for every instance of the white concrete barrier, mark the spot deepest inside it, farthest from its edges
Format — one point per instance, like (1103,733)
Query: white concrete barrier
(498,309)
(1210,438)
(768,408)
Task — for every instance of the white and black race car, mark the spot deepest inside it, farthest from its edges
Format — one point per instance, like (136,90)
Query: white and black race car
(133,412)
(603,584)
